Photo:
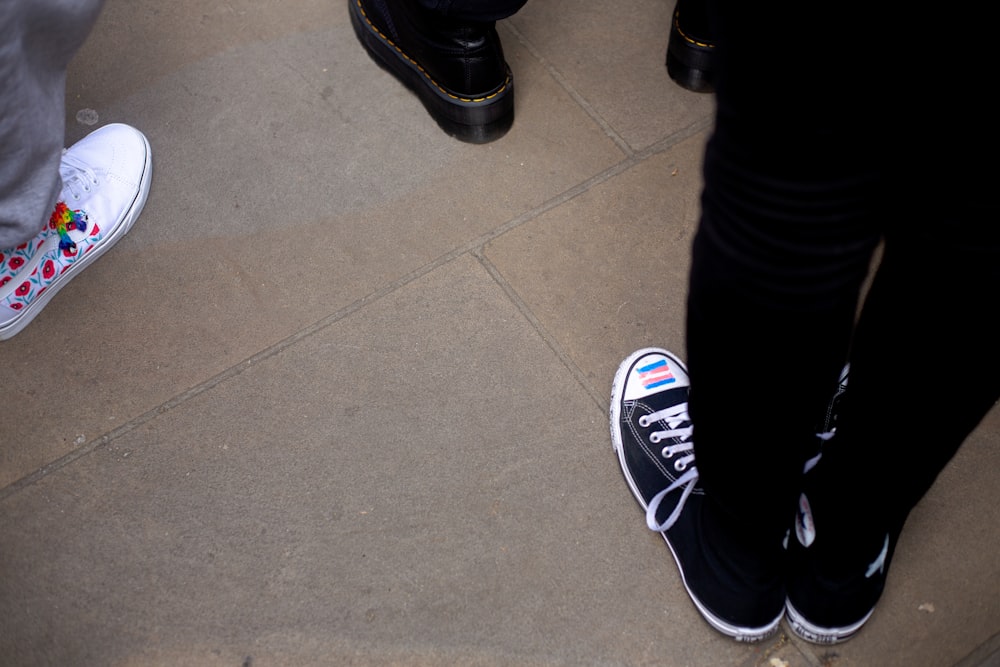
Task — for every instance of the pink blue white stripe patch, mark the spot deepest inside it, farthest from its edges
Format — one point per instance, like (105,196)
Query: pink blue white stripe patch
(656,374)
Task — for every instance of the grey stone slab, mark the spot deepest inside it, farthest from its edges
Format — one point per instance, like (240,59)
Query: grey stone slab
(312,429)
(136,43)
(424,482)
(613,55)
(292,178)
(986,655)
(606,273)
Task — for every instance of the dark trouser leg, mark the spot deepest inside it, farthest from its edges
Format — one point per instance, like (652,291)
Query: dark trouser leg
(791,216)
(925,369)
(807,170)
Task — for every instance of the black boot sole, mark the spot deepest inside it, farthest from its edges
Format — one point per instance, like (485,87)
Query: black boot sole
(477,120)
(689,61)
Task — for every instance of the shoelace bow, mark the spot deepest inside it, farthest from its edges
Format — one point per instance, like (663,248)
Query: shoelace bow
(77,177)
(678,426)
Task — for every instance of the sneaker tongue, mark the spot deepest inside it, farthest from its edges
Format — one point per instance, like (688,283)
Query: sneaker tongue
(654,374)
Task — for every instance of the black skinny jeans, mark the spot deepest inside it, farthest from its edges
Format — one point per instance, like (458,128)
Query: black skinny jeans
(839,128)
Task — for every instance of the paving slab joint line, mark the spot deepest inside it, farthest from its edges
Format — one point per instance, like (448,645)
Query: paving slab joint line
(472,247)
(539,328)
(477,247)
(227,374)
(574,191)
(572,92)
(699,125)
(803,650)
(986,654)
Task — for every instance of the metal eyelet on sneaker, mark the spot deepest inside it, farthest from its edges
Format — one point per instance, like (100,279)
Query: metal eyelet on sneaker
(680,465)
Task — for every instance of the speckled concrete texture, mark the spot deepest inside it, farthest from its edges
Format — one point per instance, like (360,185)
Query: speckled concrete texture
(340,396)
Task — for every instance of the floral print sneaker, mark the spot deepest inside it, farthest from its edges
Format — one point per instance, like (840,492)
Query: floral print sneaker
(106,178)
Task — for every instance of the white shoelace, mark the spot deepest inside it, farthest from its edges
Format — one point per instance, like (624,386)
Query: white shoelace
(673,417)
(805,528)
(78,178)
(826,436)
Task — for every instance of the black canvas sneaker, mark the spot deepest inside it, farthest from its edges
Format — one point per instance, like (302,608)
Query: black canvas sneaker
(832,590)
(652,434)
(457,69)
(832,584)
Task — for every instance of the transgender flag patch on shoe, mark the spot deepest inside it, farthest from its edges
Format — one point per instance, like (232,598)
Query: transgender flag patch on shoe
(657,372)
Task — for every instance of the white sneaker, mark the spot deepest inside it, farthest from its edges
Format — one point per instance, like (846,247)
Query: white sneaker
(105,184)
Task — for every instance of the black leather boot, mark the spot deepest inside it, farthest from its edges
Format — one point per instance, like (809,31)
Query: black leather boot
(689,50)
(457,69)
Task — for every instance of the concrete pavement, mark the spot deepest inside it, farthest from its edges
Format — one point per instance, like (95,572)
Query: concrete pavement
(340,396)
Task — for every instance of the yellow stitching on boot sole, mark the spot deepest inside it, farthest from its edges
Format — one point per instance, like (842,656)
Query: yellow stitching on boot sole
(677,24)
(420,68)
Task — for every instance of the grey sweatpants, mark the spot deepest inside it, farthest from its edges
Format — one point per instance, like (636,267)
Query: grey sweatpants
(37,40)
